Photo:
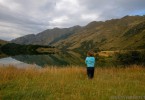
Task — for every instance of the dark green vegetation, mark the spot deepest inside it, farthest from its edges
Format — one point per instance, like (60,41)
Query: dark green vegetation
(2,42)
(122,59)
(130,58)
(17,49)
(71,83)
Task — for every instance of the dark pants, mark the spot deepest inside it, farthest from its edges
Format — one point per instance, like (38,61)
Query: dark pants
(90,72)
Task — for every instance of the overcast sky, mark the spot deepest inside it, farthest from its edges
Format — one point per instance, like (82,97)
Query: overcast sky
(22,17)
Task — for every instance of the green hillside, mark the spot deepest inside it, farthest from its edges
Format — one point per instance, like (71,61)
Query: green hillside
(116,34)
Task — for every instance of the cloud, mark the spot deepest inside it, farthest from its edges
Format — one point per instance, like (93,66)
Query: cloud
(22,17)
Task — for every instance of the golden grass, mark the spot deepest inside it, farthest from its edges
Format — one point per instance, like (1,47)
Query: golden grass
(107,53)
(70,83)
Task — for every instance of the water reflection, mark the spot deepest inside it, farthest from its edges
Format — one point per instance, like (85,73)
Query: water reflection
(10,61)
(61,59)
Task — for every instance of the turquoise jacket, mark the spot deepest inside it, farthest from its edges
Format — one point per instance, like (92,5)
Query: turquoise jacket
(90,61)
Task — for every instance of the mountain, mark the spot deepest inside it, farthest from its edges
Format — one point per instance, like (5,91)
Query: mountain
(3,42)
(115,34)
(47,37)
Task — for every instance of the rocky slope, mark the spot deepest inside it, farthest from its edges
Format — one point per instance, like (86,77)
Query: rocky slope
(47,37)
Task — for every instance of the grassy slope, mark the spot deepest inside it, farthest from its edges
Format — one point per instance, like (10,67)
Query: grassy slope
(70,83)
(109,35)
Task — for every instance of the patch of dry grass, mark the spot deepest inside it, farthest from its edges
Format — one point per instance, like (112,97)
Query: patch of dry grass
(55,83)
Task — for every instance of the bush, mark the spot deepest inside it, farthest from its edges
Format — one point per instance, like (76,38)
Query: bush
(130,58)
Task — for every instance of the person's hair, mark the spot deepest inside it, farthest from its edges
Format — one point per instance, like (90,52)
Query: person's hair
(90,53)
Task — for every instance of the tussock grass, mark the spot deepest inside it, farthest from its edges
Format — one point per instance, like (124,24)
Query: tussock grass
(70,83)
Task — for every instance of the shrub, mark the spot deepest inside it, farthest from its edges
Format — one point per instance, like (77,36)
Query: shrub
(130,58)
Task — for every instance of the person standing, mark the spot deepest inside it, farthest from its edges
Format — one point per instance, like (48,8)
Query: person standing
(90,62)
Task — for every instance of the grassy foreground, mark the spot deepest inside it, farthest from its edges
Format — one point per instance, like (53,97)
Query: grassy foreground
(71,83)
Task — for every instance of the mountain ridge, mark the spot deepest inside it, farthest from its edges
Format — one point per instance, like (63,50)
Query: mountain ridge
(127,32)
(47,36)
(108,35)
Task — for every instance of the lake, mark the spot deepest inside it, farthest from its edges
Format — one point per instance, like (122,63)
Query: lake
(59,59)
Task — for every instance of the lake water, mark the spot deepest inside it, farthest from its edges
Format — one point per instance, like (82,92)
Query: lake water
(10,61)
(61,59)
